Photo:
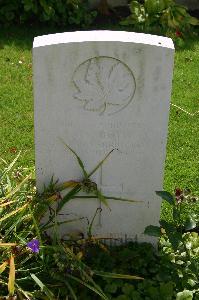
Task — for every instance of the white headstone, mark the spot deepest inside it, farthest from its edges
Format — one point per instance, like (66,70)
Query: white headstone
(98,91)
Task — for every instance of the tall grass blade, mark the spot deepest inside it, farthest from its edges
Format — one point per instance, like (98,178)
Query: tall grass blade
(45,227)
(100,163)
(8,244)
(25,293)
(80,162)
(13,212)
(13,223)
(18,187)
(100,293)
(94,287)
(43,287)
(102,198)
(89,278)
(3,266)
(10,166)
(70,195)
(7,203)
(66,185)
(92,221)
(3,160)
(71,290)
(117,276)
(122,199)
(107,197)
(11,279)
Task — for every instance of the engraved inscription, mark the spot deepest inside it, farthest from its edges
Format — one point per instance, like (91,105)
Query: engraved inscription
(128,137)
(104,85)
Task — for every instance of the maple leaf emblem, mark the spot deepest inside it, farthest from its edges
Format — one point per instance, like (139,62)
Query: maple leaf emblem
(104,84)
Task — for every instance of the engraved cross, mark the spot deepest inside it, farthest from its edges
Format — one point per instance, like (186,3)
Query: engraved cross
(107,190)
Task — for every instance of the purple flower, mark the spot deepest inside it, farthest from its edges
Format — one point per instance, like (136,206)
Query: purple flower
(33,245)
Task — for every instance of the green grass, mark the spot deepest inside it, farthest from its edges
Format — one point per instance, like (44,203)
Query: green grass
(16,100)
(16,95)
(16,107)
(182,163)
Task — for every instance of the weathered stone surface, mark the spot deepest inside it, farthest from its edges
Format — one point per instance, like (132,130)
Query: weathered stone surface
(99,91)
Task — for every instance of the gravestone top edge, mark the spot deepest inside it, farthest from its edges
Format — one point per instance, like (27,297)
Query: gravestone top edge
(102,36)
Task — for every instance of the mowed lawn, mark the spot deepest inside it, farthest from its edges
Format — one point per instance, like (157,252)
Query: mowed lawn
(16,107)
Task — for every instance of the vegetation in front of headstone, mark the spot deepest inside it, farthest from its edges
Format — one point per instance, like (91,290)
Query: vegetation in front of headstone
(184,217)
(28,256)
(179,240)
(34,264)
(85,185)
(131,257)
(162,276)
(169,273)
(74,12)
(160,16)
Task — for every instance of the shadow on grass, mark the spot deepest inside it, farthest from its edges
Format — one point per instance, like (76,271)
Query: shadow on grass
(22,36)
(189,45)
